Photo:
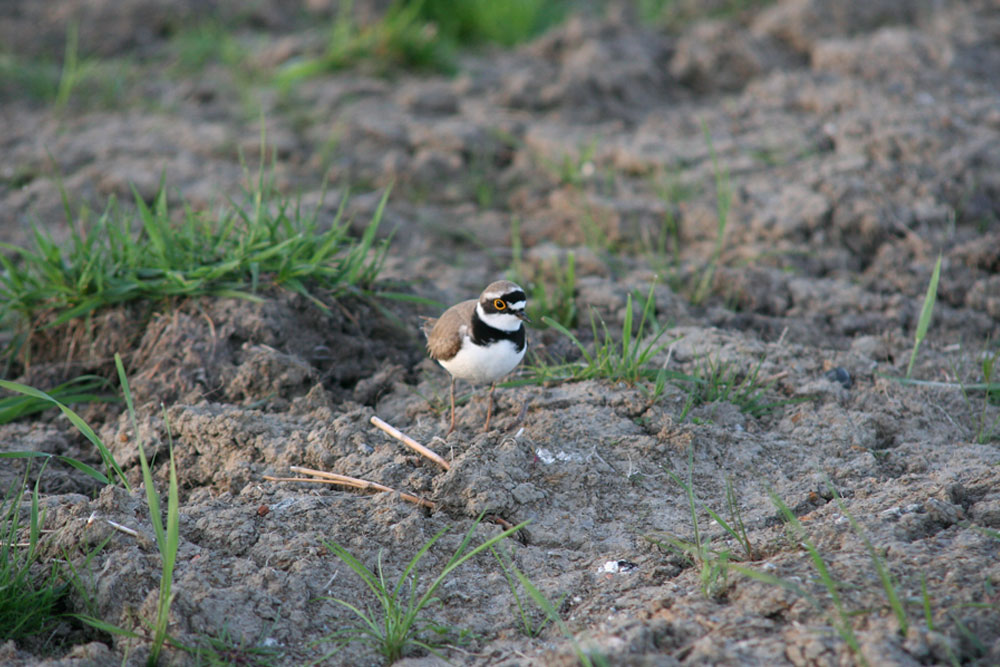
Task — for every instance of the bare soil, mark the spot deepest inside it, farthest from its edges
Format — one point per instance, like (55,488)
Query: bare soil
(860,140)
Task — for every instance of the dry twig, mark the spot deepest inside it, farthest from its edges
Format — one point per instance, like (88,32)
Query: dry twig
(410,442)
(322,477)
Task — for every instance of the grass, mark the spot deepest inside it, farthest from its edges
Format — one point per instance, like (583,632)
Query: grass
(716,382)
(400,39)
(586,659)
(167,535)
(80,389)
(889,584)
(224,649)
(626,361)
(113,470)
(423,35)
(71,70)
(985,430)
(264,242)
(667,241)
(553,295)
(86,82)
(925,314)
(398,625)
(572,168)
(723,202)
(839,618)
(474,22)
(630,361)
(677,15)
(207,42)
(530,625)
(27,600)
(714,563)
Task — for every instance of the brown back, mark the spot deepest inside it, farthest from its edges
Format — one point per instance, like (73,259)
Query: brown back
(444,335)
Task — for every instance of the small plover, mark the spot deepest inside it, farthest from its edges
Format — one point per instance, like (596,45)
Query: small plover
(480,340)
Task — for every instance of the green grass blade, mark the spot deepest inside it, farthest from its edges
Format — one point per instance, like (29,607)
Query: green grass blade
(104,626)
(888,584)
(843,620)
(76,420)
(926,600)
(167,537)
(925,314)
(79,465)
(552,614)
(458,561)
(569,334)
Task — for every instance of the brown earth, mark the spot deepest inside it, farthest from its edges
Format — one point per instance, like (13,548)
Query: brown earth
(860,142)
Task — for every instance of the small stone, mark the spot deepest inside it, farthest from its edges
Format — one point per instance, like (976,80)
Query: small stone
(839,375)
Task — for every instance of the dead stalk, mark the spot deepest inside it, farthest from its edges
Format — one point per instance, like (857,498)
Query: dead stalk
(410,442)
(322,477)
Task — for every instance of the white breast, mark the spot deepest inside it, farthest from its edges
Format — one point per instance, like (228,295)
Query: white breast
(484,364)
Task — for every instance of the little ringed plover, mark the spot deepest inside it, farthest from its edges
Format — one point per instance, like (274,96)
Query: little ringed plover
(480,340)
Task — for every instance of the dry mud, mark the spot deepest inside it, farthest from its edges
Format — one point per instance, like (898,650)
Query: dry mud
(860,142)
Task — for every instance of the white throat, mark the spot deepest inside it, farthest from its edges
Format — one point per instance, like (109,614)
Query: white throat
(501,321)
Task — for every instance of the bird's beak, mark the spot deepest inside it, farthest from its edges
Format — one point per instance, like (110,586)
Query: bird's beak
(522,315)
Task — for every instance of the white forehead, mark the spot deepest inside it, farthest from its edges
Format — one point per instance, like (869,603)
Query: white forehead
(498,294)
(499,289)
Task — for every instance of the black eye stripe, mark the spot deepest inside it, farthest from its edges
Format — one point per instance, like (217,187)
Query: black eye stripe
(514,297)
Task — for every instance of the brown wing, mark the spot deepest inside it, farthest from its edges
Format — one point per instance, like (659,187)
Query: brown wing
(445,338)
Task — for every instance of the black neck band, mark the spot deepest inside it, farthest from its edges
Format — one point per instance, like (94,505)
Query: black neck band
(484,334)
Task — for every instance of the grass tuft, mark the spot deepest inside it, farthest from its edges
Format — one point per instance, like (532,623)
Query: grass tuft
(40,397)
(78,390)
(530,626)
(473,22)
(714,562)
(266,241)
(716,382)
(558,303)
(399,624)
(840,618)
(723,202)
(167,535)
(401,38)
(625,361)
(27,600)
(423,35)
(630,361)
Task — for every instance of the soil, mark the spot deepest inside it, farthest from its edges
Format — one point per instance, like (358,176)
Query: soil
(861,141)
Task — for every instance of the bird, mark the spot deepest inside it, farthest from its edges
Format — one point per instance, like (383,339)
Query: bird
(480,340)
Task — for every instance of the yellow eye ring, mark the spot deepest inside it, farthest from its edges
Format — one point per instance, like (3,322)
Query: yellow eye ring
(499,304)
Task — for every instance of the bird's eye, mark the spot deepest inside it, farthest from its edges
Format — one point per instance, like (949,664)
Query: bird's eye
(499,304)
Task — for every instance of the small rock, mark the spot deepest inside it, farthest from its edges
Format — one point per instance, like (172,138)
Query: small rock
(839,375)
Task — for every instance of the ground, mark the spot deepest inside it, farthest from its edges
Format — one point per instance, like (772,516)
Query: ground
(855,144)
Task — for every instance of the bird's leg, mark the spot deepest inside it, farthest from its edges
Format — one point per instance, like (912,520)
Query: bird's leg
(452,427)
(489,407)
